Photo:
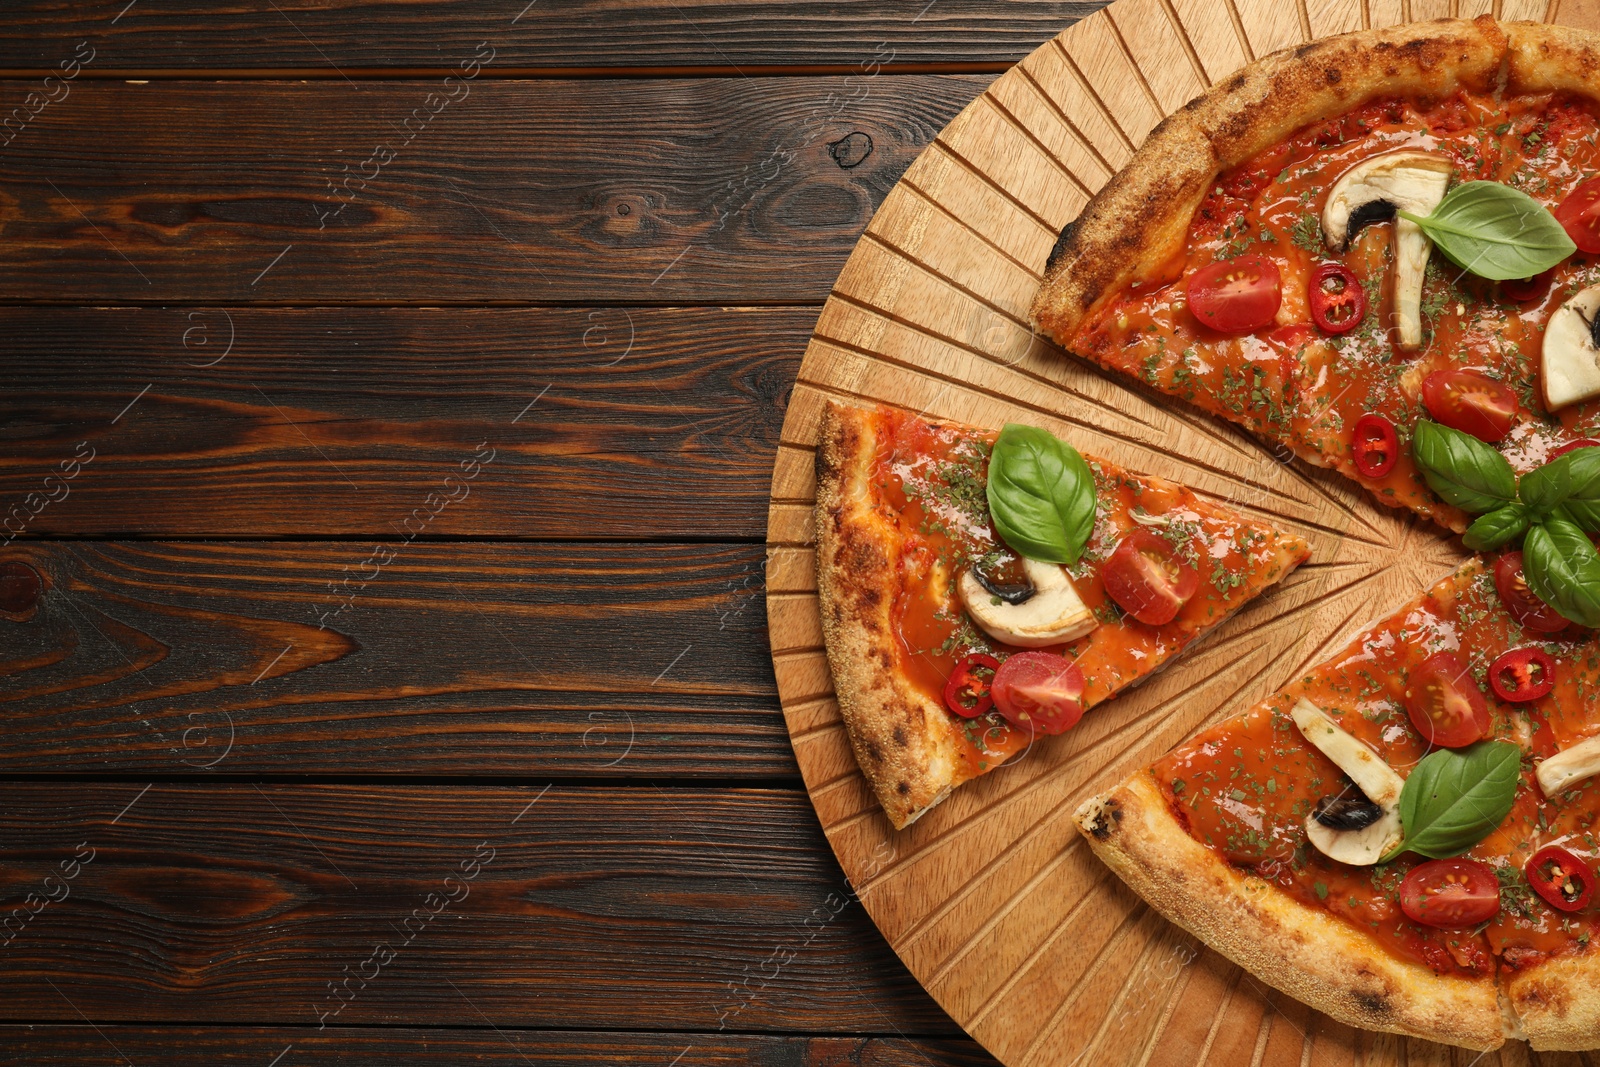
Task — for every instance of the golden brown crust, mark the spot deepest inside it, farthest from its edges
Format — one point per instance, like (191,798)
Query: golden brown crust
(903,741)
(1558,1002)
(1545,58)
(1305,952)
(1135,224)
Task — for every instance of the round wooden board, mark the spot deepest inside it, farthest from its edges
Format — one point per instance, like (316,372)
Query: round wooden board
(992,899)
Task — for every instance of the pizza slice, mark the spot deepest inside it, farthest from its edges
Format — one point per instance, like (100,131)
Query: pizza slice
(1269,254)
(978,589)
(1403,832)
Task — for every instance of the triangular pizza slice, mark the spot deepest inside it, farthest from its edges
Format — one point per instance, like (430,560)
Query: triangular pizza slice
(953,646)
(1327,249)
(1402,833)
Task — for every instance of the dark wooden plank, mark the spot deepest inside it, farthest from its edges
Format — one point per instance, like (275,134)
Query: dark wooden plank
(325,38)
(649,423)
(715,190)
(608,908)
(222,658)
(59,1046)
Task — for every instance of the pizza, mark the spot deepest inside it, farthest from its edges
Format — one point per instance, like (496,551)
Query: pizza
(953,648)
(1382,252)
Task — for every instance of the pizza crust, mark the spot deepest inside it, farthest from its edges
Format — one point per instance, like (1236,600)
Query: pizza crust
(902,740)
(1137,222)
(1310,955)
(1558,1002)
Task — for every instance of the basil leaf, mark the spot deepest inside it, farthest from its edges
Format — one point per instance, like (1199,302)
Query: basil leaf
(1496,231)
(1563,570)
(1462,469)
(1584,514)
(1574,476)
(1453,800)
(1498,527)
(1041,494)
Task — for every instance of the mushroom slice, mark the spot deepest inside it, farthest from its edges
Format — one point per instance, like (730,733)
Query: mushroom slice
(1372,191)
(1569,767)
(1570,367)
(1051,614)
(1345,828)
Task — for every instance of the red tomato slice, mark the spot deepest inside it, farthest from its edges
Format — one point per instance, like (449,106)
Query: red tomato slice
(1564,881)
(1450,893)
(1040,692)
(1529,611)
(1236,295)
(1579,215)
(1445,704)
(1338,303)
(1147,579)
(1570,446)
(1374,446)
(967,691)
(1470,402)
(1522,290)
(1523,674)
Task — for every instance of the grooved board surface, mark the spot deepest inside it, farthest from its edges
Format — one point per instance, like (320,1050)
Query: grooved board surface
(992,899)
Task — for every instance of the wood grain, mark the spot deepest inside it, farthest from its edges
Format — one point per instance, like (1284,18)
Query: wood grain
(716,190)
(502,659)
(248,904)
(992,899)
(60,1046)
(645,423)
(323,39)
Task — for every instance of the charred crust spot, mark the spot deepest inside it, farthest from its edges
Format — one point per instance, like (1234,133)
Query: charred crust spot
(900,735)
(1060,248)
(1332,76)
(1235,83)
(873,752)
(903,788)
(1372,1005)
(1110,815)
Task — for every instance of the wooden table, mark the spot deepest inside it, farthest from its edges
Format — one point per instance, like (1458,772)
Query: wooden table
(390,397)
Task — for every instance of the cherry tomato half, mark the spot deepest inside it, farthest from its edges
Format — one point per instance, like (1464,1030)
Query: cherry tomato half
(1338,303)
(1523,674)
(1579,215)
(1470,402)
(1147,579)
(1450,893)
(1522,290)
(1564,881)
(1040,692)
(1570,446)
(1445,705)
(1529,611)
(1236,295)
(967,691)
(1374,446)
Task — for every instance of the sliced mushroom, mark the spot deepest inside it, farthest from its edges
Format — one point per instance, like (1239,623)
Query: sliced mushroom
(1345,826)
(1569,767)
(1372,191)
(1048,615)
(1570,367)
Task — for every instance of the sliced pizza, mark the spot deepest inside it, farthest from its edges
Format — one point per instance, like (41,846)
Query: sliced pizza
(1348,239)
(1403,832)
(980,588)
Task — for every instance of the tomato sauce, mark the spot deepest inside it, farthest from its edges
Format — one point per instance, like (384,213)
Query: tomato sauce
(1246,786)
(1297,384)
(929,480)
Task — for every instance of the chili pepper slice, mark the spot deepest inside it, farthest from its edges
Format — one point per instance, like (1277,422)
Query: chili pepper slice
(1523,674)
(967,691)
(1562,879)
(1374,446)
(1338,303)
(1582,442)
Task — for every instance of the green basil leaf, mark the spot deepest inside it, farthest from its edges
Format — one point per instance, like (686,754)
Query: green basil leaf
(1041,494)
(1496,231)
(1584,514)
(1498,527)
(1462,469)
(1454,799)
(1574,476)
(1563,570)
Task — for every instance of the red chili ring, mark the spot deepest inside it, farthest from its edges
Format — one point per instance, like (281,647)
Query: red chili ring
(1532,674)
(1565,881)
(1374,446)
(1341,308)
(964,681)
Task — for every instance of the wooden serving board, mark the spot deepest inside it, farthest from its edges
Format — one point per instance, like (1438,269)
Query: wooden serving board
(992,899)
